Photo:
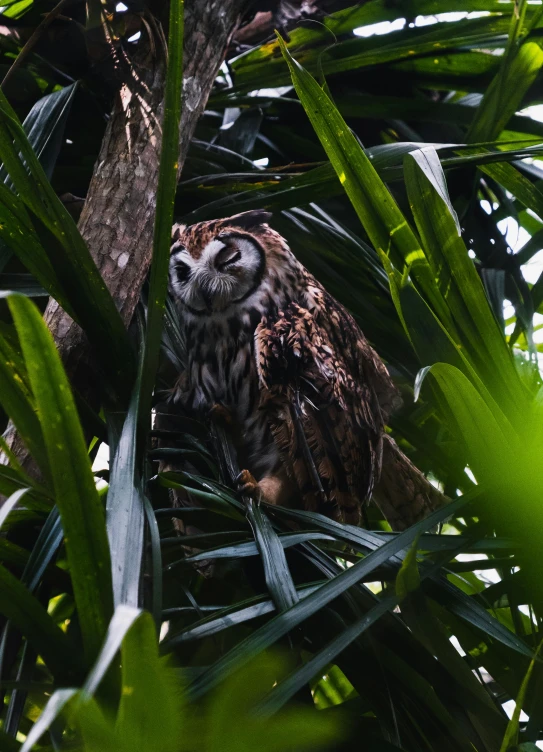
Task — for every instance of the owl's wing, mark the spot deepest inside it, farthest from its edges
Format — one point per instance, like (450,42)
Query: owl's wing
(327,395)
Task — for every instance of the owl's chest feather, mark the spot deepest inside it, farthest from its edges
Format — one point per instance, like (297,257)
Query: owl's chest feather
(222,369)
(221,362)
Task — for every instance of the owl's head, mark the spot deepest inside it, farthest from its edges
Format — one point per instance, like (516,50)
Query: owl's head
(218,263)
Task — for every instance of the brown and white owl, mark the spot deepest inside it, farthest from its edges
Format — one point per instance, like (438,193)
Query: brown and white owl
(307,396)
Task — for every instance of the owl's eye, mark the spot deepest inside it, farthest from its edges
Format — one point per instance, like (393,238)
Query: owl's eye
(182,271)
(227,256)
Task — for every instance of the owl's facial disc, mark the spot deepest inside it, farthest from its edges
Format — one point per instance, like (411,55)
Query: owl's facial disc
(228,270)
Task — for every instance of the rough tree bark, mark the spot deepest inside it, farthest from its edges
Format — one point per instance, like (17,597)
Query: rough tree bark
(118,215)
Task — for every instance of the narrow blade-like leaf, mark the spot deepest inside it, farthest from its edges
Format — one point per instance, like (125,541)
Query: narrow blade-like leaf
(75,492)
(167,184)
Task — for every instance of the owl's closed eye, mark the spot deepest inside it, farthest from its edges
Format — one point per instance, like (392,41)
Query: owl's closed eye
(214,270)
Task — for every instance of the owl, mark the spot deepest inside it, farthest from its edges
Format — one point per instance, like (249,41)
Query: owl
(306,397)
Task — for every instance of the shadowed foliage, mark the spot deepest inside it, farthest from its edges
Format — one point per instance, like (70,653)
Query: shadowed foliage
(398,153)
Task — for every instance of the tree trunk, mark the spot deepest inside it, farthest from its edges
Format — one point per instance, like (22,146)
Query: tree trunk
(118,215)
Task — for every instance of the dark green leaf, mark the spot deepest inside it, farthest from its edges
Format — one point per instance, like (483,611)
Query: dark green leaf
(75,493)
(286,621)
(167,183)
(458,281)
(270,547)
(88,294)
(125,509)
(30,617)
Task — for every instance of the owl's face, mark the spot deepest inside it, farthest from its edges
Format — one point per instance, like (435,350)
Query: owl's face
(219,263)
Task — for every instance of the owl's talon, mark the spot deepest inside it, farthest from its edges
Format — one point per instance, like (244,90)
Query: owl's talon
(247,485)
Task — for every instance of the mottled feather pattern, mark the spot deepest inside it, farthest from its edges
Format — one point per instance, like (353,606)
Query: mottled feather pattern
(299,365)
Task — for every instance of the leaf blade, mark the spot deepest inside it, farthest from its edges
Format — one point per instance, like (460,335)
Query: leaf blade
(75,492)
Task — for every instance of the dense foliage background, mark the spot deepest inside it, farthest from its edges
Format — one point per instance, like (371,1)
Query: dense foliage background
(395,144)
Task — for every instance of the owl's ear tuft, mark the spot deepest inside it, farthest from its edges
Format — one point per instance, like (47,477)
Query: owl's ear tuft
(249,219)
(177,229)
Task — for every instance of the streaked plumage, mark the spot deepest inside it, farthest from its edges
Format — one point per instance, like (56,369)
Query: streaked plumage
(307,395)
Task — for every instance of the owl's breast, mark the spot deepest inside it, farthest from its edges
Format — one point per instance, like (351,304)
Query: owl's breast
(222,370)
(221,365)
